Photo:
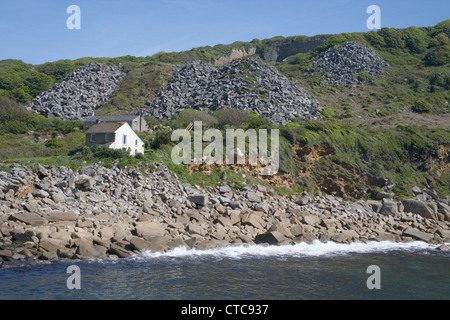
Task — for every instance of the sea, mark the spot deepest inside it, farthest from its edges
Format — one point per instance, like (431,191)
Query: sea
(316,271)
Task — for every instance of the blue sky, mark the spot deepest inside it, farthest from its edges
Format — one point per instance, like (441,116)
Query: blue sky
(36,32)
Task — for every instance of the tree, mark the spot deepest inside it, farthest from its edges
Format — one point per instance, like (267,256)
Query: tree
(415,40)
(20,95)
(438,56)
(57,70)
(375,39)
(392,37)
(162,137)
(38,82)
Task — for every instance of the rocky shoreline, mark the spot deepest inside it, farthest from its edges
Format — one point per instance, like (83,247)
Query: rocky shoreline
(53,213)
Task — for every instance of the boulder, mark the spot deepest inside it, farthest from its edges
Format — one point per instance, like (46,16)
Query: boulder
(199,199)
(420,208)
(193,229)
(282,228)
(271,237)
(384,195)
(224,189)
(311,219)
(87,249)
(56,216)
(52,245)
(42,172)
(149,229)
(176,243)
(254,220)
(119,251)
(417,234)
(31,219)
(341,238)
(211,244)
(156,244)
(389,208)
(49,256)
(253,197)
(39,193)
(6,253)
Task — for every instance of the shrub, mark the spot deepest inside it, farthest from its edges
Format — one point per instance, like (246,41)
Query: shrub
(105,152)
(139,156)
(14,126)
(231,117)
(187,116)
(255,122)
(162,137)
(365,76)
(421,106)
(438,56)
(53,143)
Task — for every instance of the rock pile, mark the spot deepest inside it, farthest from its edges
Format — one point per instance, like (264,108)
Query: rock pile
(246,84)
(348,60)
(97,212)
(80,94)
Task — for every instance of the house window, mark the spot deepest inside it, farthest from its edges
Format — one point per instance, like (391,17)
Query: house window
(124,140)
(106,137)
(136,142)
(92,137)
(135,123)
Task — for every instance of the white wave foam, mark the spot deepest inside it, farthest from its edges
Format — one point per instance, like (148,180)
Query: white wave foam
(316,248)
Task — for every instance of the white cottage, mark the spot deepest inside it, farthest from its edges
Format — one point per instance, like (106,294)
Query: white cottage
(114,135)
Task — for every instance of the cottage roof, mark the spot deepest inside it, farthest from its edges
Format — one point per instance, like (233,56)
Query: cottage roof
(105,127)
(122,118)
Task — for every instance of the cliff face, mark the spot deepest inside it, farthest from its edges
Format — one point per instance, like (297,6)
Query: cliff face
(279,52)
(235,54)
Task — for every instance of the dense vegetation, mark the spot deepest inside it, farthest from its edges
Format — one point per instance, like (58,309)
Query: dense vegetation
(391,129)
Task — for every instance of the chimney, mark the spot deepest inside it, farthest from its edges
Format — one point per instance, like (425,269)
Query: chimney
(140,120)
(98,121)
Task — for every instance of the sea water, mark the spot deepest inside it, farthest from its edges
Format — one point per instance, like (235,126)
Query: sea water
(413,270)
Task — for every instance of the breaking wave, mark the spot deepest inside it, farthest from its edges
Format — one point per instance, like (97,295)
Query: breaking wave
(316,248)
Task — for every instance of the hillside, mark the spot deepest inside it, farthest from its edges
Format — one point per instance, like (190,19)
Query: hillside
(355,110)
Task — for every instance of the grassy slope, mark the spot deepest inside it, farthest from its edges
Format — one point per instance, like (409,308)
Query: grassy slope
(373,133)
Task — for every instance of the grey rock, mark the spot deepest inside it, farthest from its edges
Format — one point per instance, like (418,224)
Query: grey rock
(417,234)
(253,197)
(39,193)
(119,251)
(199,85)
(199,199)
(389,208)
(79,94)
(416,190)
(420,208)
(272,237)
(29,218)
(344,62)
(385,195)
(224,189)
